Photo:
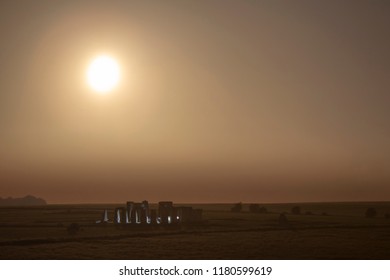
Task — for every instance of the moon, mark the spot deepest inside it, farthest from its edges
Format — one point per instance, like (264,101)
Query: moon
(103,74)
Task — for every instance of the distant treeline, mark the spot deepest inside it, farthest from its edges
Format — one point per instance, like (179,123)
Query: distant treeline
(22,201)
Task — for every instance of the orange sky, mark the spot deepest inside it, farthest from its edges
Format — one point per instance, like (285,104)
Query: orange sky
(220,101)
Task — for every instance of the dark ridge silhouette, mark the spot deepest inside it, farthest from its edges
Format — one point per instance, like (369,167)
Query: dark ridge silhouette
(28,200)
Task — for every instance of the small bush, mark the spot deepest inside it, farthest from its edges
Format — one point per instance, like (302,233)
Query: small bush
(263,210)
(296,210)
(255,208)
(371,213)
(237,207)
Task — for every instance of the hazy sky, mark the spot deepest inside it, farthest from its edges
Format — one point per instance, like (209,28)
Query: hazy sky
(220,101)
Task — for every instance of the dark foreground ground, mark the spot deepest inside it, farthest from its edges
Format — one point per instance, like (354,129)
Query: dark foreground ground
(322,231)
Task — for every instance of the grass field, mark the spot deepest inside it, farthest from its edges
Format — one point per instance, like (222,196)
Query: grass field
(322,231)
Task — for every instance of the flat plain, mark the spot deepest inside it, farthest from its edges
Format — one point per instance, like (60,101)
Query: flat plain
(320,231)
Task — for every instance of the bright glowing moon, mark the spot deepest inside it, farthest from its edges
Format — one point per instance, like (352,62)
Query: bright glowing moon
(103,74)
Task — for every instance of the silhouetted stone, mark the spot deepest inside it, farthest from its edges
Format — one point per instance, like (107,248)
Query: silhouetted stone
(145,214)
(165,211)
(129,211)
(185,214)
(153,216)
(387,216)
(308,213)
(175,216)
(120,215)
(104,217)
(139,213)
